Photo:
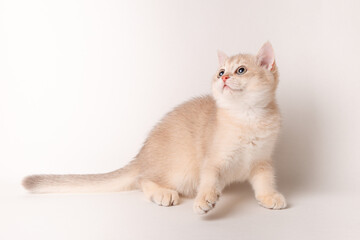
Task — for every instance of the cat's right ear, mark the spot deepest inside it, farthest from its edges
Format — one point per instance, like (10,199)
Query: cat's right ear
(222,57)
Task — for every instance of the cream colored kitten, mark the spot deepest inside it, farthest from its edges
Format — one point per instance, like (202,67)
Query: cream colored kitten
(203,145)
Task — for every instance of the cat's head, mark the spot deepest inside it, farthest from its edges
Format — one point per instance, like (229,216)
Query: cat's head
(246,79)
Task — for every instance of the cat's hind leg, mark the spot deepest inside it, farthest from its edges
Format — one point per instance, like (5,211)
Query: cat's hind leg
(159,195)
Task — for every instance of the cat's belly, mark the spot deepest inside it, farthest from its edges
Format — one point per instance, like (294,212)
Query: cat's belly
(237,166)
(235,170)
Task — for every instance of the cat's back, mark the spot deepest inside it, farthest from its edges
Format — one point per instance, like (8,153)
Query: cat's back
(202,106)
(185,127)
(194,115)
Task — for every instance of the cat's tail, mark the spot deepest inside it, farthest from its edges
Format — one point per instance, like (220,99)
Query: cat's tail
(120,180)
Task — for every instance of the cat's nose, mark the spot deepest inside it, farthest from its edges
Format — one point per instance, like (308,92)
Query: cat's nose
(225,77)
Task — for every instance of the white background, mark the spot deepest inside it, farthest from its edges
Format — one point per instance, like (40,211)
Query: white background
(83,82)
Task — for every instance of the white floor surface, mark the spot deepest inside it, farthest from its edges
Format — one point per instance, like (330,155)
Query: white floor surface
(128,215)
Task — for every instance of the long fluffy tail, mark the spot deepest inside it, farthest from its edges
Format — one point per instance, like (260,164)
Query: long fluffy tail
(119,180)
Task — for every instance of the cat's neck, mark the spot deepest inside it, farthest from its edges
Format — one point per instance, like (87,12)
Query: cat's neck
(246,113)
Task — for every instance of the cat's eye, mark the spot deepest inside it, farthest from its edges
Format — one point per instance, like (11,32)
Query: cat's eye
(241,70)
(222,71)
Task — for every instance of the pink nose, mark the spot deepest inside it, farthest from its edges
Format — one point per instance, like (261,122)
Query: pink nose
(225,77)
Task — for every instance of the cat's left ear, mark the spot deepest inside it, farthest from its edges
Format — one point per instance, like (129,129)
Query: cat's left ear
(222,57)
(266,56)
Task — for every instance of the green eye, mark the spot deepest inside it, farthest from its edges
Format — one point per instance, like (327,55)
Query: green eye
(241,70)
(222,71)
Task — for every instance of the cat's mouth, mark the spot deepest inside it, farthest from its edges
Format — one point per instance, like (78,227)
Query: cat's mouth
(227,87)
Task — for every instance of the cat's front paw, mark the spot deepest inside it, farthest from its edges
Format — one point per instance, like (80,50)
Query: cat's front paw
(165,197)
(272,201)
(205,202)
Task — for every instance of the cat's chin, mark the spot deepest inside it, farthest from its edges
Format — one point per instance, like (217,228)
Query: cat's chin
(228,95)
(227,88)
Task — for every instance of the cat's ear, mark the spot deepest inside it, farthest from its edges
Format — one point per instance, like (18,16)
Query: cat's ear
(222,57)
(266,56)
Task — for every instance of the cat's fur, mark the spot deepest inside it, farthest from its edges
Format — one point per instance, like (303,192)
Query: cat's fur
(203,145)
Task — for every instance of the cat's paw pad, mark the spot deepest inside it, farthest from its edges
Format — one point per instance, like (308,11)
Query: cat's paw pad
(165,197)
(205,202)
(272,201)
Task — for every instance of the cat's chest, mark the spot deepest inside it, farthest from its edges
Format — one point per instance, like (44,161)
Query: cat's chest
(245,143)
(242,149)
(248,136)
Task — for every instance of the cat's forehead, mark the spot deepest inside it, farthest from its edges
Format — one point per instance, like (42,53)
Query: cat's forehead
(240,59)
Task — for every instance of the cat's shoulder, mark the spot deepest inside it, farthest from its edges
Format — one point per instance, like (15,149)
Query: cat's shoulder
(199,104)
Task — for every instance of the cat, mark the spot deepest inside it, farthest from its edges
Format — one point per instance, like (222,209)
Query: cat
(202,145)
